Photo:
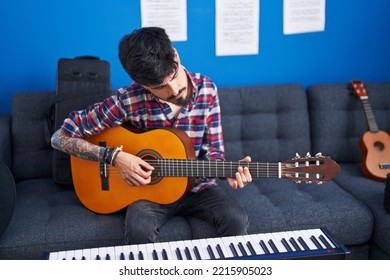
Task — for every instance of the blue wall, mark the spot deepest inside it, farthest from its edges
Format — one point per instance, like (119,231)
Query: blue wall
(35,34)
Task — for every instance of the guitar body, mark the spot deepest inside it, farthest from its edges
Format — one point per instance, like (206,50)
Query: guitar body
(159,143)
(375,149)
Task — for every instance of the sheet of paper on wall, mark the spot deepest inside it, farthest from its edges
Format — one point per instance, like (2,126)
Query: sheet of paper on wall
(168,14)
(303,16)
(237,27)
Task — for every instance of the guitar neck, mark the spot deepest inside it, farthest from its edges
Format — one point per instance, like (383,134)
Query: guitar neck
(371,122)
(204,168)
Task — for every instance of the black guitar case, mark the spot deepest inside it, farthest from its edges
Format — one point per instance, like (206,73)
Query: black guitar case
(81,82)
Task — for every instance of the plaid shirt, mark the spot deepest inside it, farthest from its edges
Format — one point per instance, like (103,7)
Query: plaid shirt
(200,118)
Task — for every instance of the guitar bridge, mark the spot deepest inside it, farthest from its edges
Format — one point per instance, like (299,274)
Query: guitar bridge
(384,165)
(103,169)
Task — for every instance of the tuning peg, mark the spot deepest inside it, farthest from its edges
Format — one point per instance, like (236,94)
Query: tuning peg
(319,155)
(297,156)
(308,182)
(319,182)
(298,181)
(308,155)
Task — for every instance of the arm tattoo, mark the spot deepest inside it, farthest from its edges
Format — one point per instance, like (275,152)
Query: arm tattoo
(76,146)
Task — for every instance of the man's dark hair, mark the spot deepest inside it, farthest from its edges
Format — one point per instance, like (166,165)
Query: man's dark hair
(147,55)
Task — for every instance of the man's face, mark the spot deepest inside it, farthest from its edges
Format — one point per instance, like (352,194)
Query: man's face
(174,88)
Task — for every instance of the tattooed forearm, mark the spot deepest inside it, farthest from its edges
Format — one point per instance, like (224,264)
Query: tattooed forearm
(76,146)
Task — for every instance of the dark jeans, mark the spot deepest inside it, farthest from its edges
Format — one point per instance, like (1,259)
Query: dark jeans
(214,205)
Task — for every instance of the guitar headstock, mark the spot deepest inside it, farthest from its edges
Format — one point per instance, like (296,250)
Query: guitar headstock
(310,169)
(358,88)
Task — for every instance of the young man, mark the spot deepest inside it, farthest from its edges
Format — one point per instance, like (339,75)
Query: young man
(163,94)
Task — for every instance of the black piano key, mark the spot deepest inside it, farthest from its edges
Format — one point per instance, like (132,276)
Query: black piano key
(178,254)
(303,243)
(242,249)
(233,249)
(251,249)
(187,253)
(131,256)
(97,257)
(154,255)
(323,239)
(73,258)
(140,255)
(315,241)
(220,252)
(164,254)
(285,243)
(273,246)
(211,253)
(197,254)
(295,244)
(264,247)
(84,258)
(108,257)
(122,256)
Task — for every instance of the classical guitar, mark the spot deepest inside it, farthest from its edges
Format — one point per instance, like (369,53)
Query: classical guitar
(169,150)
(374,143)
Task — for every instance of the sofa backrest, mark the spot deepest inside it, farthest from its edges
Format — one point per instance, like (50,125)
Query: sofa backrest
(338,121)
(30,130)
(268,122)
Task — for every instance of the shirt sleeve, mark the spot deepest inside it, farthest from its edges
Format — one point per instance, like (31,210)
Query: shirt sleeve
(95,118)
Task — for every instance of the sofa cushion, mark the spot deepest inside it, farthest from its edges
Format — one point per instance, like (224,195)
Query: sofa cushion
(338,120)
(370,193)
(269,123)
(31,132)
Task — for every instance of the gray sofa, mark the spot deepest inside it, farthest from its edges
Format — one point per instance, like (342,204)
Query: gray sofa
(268,122)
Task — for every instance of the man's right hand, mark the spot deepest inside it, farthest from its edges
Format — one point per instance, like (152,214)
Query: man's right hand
(134,170)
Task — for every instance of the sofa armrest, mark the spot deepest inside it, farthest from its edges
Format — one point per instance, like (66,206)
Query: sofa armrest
(5,141)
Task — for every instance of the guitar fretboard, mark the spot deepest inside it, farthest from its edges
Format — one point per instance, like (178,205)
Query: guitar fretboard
(204,168)
(371,122)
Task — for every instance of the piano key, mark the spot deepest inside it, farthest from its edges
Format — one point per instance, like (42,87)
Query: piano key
(320,233)
(316,242)
(166,251)
(110,253)
(173,247)
(199,249)
(294,236)
(256,244)
(225,251)
(181,246)
(308,241)
(212,248)
(277,239)
(189,249)
(286,245)
(142,253)
(150,251)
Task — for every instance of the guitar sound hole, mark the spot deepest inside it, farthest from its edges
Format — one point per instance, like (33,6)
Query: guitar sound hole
(150,156)
(379,146)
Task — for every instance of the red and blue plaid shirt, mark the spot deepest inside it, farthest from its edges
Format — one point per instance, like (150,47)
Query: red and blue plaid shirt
(200,118)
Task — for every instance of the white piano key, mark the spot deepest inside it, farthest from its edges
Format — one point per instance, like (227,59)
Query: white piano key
(78,254)
(102,252)
(212,246)
(277,239)
(181,246)
(319,232)
(118,252)
(232,240)
(69,255)
(173,247)
(225,250)
(306,236)
(110,253)
(94,252)
(165,246)
(203,255)
(203,244)
(141,251)
(254,240)
(190,246)
(287,236)
(267,238)
(54,256)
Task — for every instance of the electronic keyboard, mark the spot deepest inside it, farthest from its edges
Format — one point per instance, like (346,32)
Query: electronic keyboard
(299,244)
